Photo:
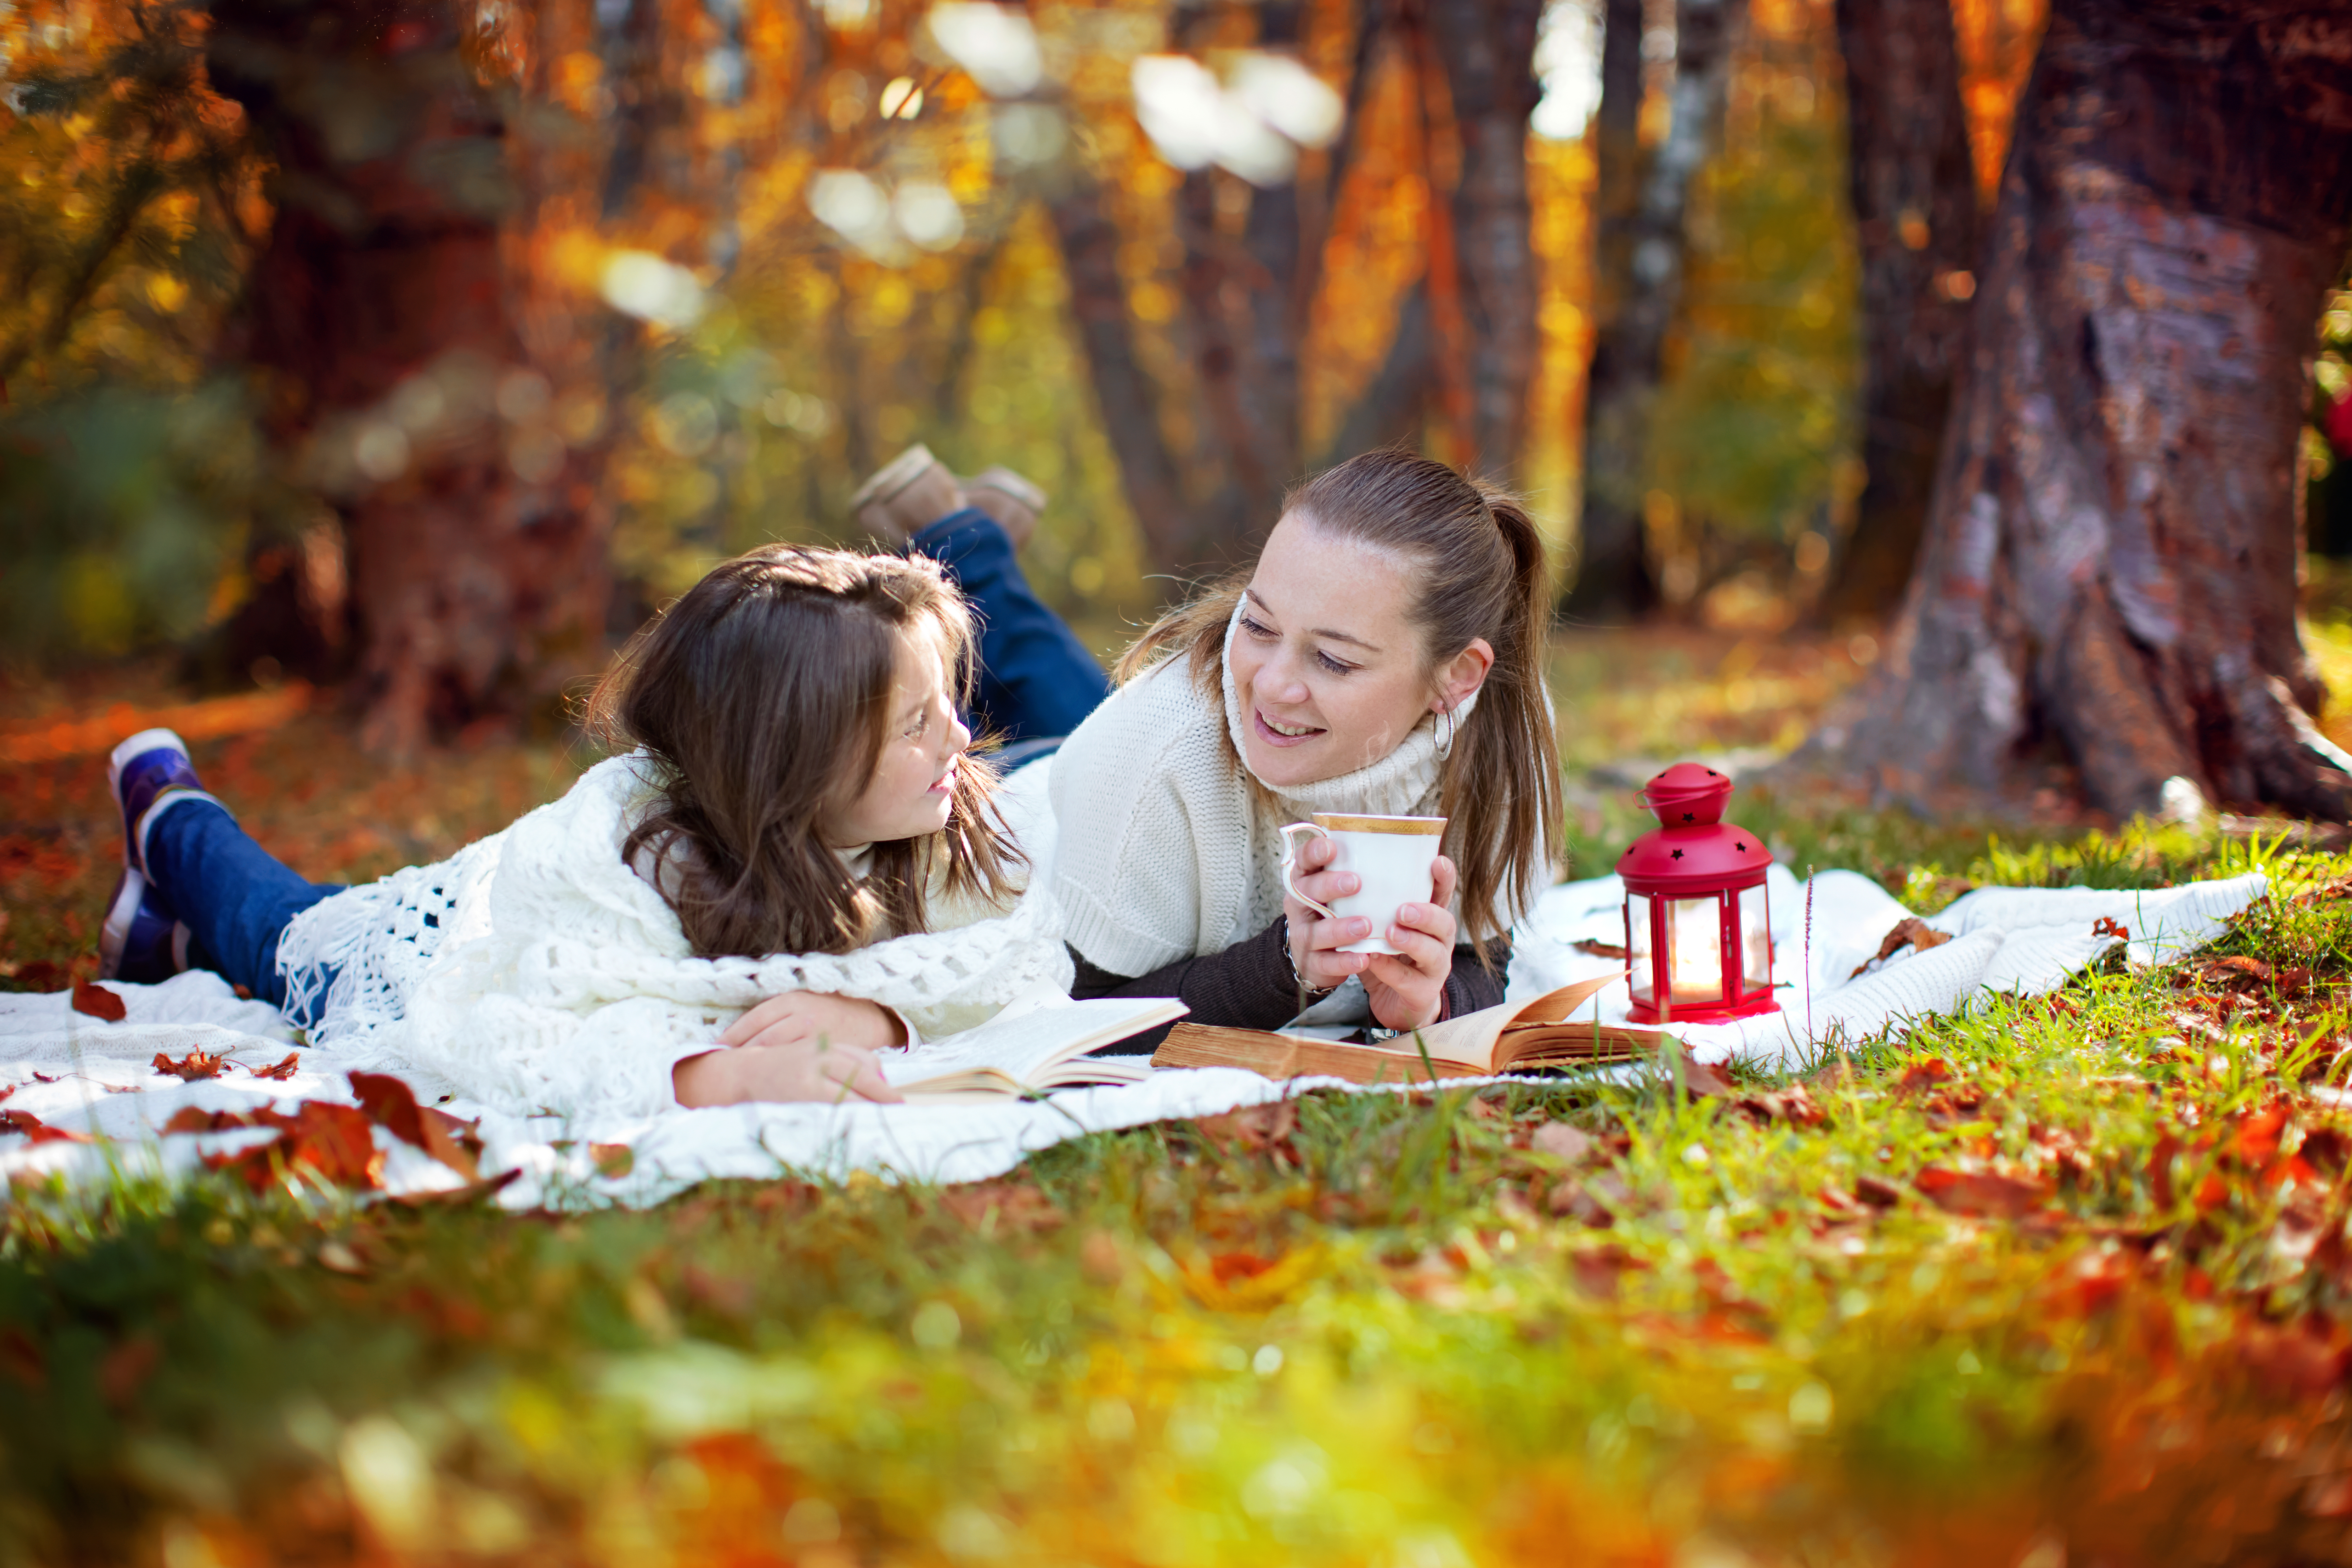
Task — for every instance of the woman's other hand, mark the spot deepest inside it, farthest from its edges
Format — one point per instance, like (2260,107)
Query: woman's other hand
(1313,937)
(1409,991)
(800,1045)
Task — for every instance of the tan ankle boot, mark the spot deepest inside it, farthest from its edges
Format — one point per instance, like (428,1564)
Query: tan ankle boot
(905,495)
(1009,497)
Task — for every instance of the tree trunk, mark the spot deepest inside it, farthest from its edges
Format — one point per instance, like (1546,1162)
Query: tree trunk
(1486,47)
(1638,264)
(1915,206)
(2110,558)
(379,305)
(1172,535)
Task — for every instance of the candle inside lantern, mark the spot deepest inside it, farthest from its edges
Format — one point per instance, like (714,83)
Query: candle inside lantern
(1694,945)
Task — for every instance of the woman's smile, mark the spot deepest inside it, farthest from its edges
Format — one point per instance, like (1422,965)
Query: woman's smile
(1276,733)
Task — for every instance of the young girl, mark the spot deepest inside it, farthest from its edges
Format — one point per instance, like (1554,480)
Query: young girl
(1384,655)
(797,865)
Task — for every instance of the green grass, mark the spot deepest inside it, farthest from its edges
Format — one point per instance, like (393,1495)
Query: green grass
(1374,1329)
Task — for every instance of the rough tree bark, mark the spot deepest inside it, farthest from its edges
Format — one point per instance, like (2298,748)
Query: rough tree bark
(2109,562)
(1913,186)
(1486,48)
(475,594)
(1638,264)
(1174,534)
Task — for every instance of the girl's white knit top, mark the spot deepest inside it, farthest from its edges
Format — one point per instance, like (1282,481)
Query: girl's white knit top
(1167,849)
(534,971)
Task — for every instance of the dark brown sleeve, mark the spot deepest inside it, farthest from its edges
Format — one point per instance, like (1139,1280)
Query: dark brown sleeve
(1248,986)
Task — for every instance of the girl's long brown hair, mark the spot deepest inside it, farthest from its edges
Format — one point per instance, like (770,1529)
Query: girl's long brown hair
(765,693)
(1481,575)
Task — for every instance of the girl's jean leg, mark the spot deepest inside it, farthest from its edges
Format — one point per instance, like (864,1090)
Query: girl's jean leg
(233,895)
(1036,679)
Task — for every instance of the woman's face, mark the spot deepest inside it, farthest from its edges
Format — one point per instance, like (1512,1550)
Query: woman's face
(1331,671)
(910,791)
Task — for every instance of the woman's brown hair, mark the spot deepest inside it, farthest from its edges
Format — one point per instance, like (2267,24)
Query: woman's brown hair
(1481,575)
(764,694)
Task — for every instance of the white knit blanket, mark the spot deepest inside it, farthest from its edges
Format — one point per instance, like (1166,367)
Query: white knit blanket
(79,1074)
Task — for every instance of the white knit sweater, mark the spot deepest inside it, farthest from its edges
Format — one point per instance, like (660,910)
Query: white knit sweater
(534,971)
(1164,850)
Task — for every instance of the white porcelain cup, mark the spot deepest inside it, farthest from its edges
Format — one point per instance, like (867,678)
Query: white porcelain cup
(1391,856)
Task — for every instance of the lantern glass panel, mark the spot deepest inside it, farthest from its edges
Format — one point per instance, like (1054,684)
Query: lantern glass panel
(1637,946)
(1755,941)
(1695,949)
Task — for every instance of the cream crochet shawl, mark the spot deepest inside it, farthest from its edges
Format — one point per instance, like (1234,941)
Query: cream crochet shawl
(1167,849)
(534,971)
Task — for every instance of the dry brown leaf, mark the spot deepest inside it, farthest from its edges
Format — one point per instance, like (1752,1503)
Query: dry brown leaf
(283,1070)
(612,1160)
(191,1066)
(1257,1128)
(39,1130)
(1562,1142)
(1912,932)
(98,1001)
(1984,1192)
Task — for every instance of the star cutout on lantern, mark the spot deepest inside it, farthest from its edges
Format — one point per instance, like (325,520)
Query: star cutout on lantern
(1678,854)
(1742,847)
(1690,816)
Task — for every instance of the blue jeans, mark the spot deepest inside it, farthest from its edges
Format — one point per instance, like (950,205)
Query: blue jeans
(1037,681)
(234,896)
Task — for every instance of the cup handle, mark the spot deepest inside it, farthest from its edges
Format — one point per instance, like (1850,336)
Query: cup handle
(1290,861)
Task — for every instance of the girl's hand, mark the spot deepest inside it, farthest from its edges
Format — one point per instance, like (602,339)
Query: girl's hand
(1312,937)
(796,1017)
(818,1070)
(801,1045)
(1409,991)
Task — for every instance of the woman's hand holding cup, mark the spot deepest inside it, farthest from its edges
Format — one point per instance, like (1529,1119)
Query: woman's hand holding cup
(1412,949)
(1409,990)
(1314,936)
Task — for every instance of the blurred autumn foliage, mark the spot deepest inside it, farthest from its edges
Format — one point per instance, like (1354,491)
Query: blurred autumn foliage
(733,254)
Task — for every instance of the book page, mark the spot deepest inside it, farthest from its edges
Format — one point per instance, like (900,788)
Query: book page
(1023,1047)
(1470,1038)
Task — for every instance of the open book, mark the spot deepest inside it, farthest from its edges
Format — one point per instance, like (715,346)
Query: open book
(1502,1039)
(1029,1050)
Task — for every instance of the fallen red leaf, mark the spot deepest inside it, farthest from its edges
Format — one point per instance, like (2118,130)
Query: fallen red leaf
(7,1090)
(39,1130)
(191,1119)
(2105,926)
(98,1001)
(1877,1192)
(391,1104)
(336,1142)
(2291,1359)
(2257,1138)
(191,1066)
(1227,1266)
(1924,1074)
(1562,1142)
(1983,1192)
(283,1070)
(1001,1207)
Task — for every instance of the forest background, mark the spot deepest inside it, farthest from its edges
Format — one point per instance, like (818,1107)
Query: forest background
(662,281)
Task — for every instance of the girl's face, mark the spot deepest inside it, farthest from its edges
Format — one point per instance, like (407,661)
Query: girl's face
(910,791)
(1329,666)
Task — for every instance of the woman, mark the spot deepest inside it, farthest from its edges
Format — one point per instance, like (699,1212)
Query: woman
(1384,655)
(797,865)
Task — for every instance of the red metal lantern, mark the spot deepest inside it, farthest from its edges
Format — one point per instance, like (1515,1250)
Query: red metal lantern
(1697,936)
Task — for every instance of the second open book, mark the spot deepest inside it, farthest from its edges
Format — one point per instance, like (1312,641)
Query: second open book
(1507,1038)
(1030,1048)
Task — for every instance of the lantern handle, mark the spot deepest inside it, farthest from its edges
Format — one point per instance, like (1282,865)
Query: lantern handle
(1290,862)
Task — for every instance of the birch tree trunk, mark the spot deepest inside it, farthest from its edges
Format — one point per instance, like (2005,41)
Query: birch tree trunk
(2109,562)
(1915,206)
(1638,265)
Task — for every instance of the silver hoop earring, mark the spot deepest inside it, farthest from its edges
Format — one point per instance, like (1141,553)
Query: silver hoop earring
(1445,747)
